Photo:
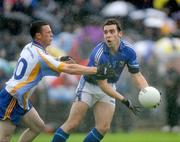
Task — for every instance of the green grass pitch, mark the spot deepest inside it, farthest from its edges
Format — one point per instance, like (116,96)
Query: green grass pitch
(140,136)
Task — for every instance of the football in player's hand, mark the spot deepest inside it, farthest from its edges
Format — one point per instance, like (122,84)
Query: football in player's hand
(149,97)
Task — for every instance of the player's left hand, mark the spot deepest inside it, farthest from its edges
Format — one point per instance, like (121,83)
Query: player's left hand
(133,108)
(67,59)
(104,72)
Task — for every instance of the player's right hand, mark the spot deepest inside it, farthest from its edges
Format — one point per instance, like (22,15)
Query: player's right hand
(133,108)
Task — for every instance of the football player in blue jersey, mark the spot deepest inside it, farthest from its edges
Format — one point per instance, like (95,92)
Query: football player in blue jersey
(33,64)
(99,92)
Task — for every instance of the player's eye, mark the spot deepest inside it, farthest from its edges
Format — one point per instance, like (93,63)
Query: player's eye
(105,32)
(112,31)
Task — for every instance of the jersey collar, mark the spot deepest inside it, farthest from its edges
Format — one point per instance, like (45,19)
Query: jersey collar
(37,44)
(106,48)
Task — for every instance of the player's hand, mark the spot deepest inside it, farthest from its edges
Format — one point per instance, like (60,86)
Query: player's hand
(104,71)
(67,59)
(133,108)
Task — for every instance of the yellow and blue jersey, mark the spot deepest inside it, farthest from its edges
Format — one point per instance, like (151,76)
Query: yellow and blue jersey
(33,64)
(125,56)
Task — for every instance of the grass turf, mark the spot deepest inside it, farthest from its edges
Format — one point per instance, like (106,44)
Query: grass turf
(117,137)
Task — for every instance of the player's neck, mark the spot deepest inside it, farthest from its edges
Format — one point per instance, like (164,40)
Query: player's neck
(114,48)
(39,43)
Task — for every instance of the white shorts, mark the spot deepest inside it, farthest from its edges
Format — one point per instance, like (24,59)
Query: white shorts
(90,93)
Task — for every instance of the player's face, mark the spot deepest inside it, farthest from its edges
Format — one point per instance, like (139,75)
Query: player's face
(46,35)
(112,35)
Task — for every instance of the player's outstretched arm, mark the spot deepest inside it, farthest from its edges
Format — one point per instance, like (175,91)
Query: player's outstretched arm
(71,68)
(77,69)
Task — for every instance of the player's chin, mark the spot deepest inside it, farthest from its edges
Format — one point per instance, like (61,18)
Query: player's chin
(49,43)
(110,45)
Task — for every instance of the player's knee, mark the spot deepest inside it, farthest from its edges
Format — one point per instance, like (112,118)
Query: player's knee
(39,127)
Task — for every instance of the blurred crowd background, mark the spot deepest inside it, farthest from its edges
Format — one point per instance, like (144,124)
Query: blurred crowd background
(152,26)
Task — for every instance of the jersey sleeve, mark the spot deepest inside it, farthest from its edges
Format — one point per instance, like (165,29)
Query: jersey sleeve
(50,66)
(132,64)
(96,57)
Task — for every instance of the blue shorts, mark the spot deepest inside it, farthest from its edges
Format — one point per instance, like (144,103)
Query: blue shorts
(10,109)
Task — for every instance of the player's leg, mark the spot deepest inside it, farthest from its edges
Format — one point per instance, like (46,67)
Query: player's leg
(34,123)
(7,128)
(103,110)
(77,112)
(103,113)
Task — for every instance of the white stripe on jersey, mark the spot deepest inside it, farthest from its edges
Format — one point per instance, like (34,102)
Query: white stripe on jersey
(98,54)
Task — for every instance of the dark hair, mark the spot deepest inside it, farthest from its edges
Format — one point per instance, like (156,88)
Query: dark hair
(113,22)
(36,26)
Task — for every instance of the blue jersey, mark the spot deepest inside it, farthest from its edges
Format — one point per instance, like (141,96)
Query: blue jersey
(125,56)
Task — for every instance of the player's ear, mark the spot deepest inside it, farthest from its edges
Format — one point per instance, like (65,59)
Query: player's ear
(120,34)
(38,35)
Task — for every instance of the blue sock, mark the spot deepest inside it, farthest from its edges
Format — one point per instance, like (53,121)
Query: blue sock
(60,136)
(93,136)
